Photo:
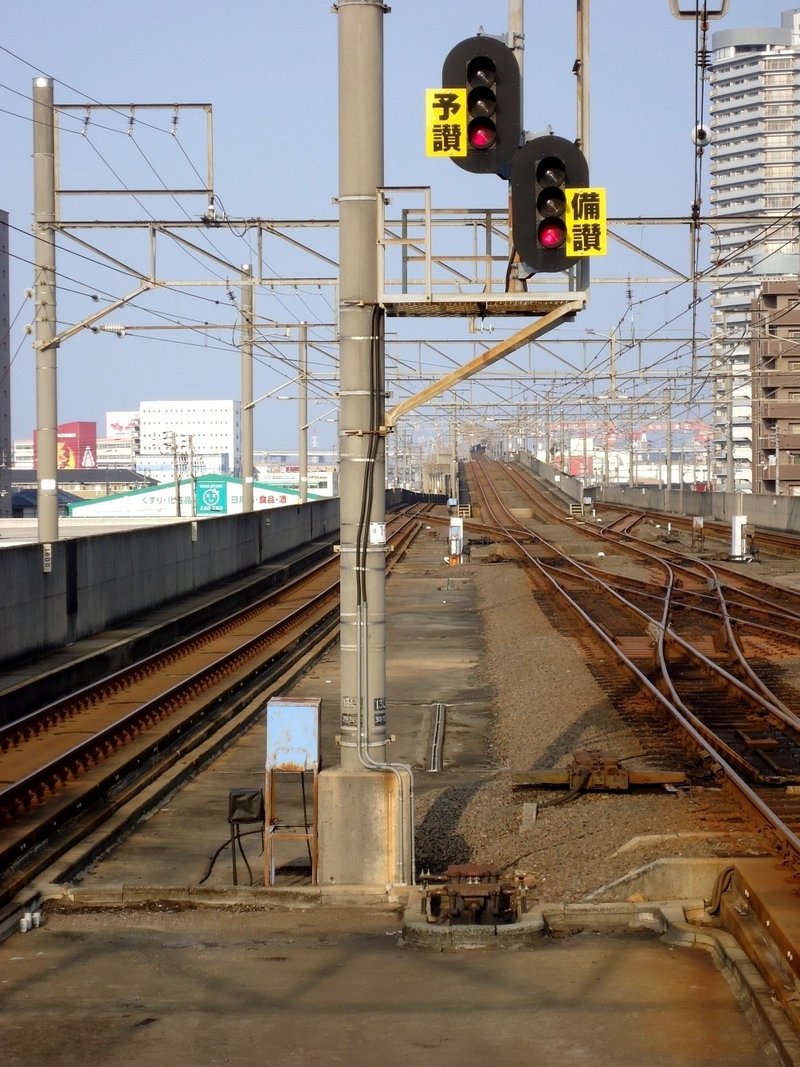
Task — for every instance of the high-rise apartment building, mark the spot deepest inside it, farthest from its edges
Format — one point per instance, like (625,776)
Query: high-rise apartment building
(754,192)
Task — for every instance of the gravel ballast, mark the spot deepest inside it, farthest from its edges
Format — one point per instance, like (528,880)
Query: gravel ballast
(547,705)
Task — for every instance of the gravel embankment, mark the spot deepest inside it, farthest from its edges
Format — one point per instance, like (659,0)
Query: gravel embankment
(547,704)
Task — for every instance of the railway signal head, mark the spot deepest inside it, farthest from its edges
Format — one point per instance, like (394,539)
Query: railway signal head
(542,173)
(487,70)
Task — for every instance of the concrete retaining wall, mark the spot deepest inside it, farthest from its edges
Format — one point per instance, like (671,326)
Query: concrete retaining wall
(97,582)
(766,512)
(565,483)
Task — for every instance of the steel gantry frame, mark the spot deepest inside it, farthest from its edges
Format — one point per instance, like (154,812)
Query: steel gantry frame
(427,281)
(368,240)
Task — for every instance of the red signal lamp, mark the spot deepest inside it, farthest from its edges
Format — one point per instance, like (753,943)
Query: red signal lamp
(552,233)
(481,133)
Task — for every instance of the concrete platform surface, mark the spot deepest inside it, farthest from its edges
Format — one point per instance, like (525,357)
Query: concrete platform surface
(334,986)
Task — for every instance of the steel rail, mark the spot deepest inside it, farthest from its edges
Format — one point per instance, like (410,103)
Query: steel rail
(762,694)
(44,784)
(437,737)
(687,722)
(642,549)
(20,730)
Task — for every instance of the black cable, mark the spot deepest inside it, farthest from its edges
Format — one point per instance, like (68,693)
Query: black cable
(305,819)
(367,489)
(238,837)
(721,886)
(213,859)
(575,791)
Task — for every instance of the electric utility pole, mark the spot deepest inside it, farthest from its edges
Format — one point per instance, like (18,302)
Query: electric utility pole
(302,417)
(44,216)
(246,340)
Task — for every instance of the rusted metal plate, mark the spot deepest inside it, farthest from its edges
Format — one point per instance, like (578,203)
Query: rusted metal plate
(464,871)
(481,304)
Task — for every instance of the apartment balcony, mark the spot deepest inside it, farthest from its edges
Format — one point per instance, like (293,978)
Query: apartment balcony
(777,347)
(789,442)
(788,474)
(773,380)
(780,409)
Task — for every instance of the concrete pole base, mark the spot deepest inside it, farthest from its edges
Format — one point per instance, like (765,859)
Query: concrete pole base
(359,835)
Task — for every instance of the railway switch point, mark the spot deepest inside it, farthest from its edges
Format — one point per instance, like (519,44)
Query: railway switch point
(592,771)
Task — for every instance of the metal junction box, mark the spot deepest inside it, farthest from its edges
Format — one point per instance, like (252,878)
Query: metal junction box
(293,748)
(293,734)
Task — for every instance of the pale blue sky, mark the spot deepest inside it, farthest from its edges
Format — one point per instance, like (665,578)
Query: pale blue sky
(270,71)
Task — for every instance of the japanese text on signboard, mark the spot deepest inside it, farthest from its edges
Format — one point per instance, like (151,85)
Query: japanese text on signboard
(446,122)
(587,222)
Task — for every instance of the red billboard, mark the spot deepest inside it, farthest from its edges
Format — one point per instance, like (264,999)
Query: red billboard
(77,445)
(581,466)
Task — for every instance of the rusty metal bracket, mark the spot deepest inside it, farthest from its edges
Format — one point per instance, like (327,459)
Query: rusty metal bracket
(594,771)
(472,894)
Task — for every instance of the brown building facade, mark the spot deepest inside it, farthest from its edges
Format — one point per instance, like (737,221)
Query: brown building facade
(775,366)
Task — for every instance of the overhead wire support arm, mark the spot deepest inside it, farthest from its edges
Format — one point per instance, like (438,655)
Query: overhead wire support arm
(207,191)
(165,228)
(91,319)
(486,359)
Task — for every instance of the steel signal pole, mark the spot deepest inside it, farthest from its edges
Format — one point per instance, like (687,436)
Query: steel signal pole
(246,342)
(358,821)
(44,216)
(302,417)
(361,444)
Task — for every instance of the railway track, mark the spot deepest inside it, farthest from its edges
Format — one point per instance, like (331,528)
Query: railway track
(711,652)
(772,543)
(66,767)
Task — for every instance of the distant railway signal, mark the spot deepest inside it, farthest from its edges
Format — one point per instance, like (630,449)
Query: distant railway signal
(556,217)
(479,117)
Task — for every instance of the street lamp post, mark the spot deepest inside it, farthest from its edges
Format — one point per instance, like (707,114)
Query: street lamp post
(45,328)
(453,455)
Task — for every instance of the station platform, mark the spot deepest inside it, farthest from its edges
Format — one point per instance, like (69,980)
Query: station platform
(153,953)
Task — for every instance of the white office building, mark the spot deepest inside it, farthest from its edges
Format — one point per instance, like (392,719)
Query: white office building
(755,184)
(206,433)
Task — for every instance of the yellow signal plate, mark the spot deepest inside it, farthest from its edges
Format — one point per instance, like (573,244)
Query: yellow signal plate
(587,222)
(446,122)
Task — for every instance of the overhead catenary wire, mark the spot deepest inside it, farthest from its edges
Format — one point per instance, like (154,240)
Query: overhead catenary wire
(93,102)
(453,361)
(699,350)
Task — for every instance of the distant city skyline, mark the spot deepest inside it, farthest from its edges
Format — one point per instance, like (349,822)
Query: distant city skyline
(275,149)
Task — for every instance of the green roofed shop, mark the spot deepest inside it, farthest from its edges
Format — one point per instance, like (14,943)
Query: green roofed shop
(202,496)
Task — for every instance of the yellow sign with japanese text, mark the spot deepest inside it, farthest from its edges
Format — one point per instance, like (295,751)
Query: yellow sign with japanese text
(587,222)
(446,122)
